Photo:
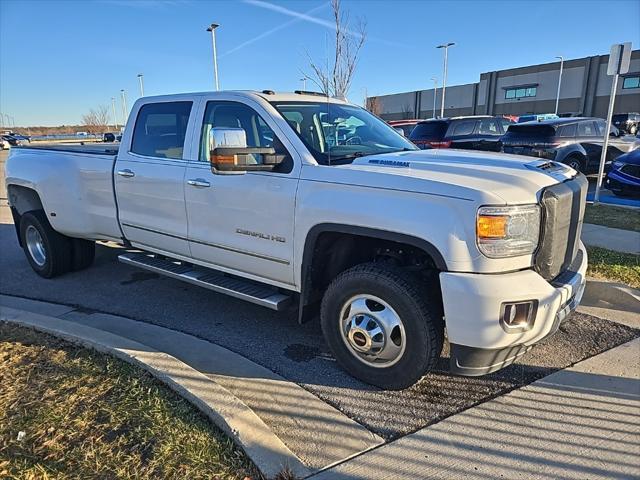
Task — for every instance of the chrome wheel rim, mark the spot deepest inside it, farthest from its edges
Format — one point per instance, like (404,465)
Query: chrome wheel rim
(35,245)
(372,331)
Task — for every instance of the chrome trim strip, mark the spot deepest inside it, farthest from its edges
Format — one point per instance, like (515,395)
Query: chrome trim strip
(214,245)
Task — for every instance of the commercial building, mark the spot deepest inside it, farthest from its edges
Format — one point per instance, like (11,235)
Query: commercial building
(584,91)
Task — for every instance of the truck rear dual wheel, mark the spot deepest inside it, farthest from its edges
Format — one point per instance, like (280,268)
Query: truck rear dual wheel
(50,253)
(380,326)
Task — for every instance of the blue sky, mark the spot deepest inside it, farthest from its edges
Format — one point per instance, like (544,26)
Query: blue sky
(58,59)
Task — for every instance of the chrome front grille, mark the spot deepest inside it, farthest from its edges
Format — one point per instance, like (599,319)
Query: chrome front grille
(563,210)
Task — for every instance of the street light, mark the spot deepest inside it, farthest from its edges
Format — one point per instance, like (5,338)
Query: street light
(212,29)
(435,94)
(559,82)
(124,107)
(115,117)
(141,84)
(444,76)
(304,83)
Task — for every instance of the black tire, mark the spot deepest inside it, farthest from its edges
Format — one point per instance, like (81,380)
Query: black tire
(421,319)
(575,162)
(83,253)
(56,247)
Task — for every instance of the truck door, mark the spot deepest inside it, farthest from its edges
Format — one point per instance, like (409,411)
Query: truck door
(149,179)
(243,222)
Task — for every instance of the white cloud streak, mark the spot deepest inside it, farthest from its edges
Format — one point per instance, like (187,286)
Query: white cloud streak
(282,26)
(311,19)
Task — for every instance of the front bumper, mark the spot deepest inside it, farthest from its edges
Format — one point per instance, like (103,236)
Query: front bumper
(472,302)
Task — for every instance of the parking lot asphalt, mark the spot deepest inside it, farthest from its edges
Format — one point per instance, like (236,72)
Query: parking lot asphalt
(276,341)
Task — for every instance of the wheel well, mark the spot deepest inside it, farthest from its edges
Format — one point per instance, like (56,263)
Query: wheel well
(330,253)
(22,200)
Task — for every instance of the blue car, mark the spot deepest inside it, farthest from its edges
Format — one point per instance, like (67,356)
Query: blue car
(624,177)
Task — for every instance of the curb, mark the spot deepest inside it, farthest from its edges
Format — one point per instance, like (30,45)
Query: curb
(233,417)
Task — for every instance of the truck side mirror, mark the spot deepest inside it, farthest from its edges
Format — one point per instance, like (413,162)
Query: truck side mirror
(228,152)
(399,130)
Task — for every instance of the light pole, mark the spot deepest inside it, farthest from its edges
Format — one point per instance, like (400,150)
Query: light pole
(115,118)
(435,94)
(141,84)
(444,76)
(124,107)
(559,82)
(212,29)
(304,83)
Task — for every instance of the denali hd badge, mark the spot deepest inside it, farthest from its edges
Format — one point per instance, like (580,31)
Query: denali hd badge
(264,236)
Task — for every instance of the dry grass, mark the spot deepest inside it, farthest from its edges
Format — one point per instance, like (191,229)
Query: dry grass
(614,217)
(616,266)
(87,415)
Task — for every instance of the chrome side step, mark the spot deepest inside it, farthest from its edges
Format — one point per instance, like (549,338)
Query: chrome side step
(250,291)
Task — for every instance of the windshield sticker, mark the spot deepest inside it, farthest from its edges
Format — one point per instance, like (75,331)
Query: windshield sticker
(392,163)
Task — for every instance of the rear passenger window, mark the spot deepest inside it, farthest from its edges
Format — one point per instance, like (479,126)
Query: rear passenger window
(160,129)
(568,131)
(587,129)
(463,128)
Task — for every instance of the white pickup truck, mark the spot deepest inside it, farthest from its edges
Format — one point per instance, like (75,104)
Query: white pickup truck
(301,201)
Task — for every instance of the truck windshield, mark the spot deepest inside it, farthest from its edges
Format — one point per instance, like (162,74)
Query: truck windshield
(335,133)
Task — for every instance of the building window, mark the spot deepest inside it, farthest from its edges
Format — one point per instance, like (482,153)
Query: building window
(522,92)
(631,82)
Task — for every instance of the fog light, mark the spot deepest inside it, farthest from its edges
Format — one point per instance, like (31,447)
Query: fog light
(518,316)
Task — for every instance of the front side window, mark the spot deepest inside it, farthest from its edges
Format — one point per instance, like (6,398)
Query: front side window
(257,133)
(338,133)
(488,126)
(160,129)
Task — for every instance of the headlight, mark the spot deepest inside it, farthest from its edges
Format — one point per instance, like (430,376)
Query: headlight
(508,231)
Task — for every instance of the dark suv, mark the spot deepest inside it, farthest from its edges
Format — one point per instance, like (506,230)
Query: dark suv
(576,142)
(627,122)
(471,133)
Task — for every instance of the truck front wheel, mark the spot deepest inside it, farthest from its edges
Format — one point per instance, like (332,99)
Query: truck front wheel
(380,327)
(49,253)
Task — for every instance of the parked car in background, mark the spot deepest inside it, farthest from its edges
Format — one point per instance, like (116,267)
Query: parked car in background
(406,126)
(20,138)
(13,141)
(540,117)
(623,178)
(108,137)
(469,133)
(627,122)
(576,142)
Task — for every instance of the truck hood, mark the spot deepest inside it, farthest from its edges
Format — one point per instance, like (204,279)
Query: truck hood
(465,174)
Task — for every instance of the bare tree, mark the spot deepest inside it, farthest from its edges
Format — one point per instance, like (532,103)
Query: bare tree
(335,79)
(96,120)
(373,105)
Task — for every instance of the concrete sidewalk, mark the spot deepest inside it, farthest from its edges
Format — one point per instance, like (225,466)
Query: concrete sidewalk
(582,422)
(611,238)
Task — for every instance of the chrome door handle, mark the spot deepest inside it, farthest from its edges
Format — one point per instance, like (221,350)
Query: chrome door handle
(198,182)
(126,173)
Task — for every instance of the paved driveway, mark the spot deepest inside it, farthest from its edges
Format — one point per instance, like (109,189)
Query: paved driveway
(277,342)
